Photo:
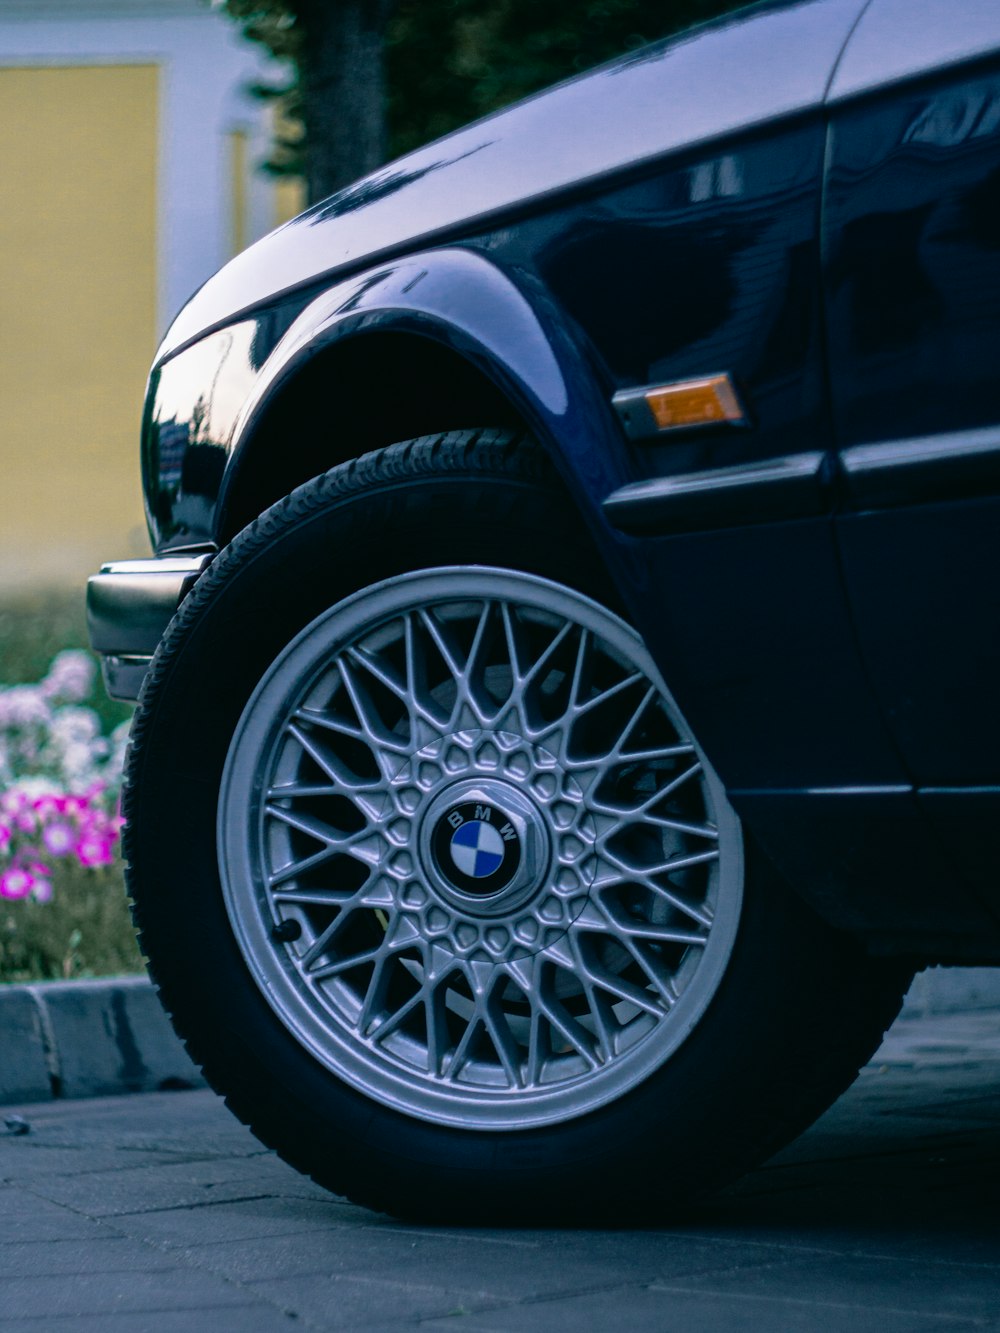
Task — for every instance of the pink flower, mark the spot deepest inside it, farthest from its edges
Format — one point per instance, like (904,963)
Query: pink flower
(14,801)
(49,804)
(41,890)
(16,883)
(6,833)
(59,839)
(93,850)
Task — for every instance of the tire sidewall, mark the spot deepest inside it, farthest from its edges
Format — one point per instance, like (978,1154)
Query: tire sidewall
(726,1093)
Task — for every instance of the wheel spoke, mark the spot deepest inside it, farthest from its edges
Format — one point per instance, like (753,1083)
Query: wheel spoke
(388,1023)
(611,982)
(342,778)
(669,867)
(574,1035)
(318,897)
(460,1056)
(316,828)
(306,864)
(506,1047)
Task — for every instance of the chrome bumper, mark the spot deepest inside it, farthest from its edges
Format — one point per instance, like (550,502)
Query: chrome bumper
(129,605)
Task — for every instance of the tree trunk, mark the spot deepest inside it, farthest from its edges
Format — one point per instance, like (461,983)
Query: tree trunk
(343,90)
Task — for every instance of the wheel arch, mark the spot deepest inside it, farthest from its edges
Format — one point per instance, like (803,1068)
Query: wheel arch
(436,342)
(433,388)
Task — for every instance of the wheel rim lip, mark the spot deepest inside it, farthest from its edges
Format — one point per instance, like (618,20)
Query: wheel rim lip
(467,1106)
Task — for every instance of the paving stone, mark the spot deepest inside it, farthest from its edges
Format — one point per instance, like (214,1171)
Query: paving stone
(378,1300)
(920,1241)
(881,1218)
(157,1121)
(28,1218)
(247,1220)
(148,1188)
(893,1286)
(217,1319)
(28,1161)
(463,1264)
(644,1310)
(114,1293)
(101,1253)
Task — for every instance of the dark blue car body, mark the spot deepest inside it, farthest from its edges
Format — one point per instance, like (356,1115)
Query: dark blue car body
(805,197)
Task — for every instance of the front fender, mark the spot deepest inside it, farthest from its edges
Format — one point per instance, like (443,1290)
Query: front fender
(509,330)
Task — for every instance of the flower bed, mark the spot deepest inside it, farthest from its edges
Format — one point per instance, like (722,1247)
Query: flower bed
(62,906)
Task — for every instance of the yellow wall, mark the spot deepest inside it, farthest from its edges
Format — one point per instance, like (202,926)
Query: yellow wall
(239,169)
(289,198)
(289,191)
(78,328)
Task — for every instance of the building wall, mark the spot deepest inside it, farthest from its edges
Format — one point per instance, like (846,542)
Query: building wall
(127,166)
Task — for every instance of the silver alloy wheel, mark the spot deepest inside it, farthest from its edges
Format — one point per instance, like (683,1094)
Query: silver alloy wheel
(470,853)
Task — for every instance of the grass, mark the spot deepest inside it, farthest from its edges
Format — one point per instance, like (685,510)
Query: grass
(85,930)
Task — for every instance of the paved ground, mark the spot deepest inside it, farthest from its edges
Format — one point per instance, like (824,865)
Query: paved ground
(158,1212)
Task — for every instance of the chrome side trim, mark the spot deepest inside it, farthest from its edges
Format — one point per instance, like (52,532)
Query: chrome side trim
(932,467)
(887,475)
(777,488)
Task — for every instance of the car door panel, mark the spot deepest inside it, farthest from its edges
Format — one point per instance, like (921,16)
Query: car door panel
(911,234)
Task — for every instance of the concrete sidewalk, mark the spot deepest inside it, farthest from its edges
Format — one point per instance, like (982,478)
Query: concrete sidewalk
(156,1213)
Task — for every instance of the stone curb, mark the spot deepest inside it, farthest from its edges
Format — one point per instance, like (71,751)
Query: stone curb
(100,1038)
(88,1039)
(952,990)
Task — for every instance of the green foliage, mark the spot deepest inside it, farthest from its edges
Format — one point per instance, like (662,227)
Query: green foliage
(33,629)
(275,25)
(85,931)
(272,23)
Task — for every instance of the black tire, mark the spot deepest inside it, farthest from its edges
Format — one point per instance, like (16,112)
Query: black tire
(779,1029)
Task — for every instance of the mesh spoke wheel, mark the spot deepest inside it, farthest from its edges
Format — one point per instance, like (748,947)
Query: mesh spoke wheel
(471,854)
(435,881)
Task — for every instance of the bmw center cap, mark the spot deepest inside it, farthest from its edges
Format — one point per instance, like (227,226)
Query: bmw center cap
(476,848)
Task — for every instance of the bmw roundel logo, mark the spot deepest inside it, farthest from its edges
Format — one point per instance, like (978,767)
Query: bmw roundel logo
(476,847)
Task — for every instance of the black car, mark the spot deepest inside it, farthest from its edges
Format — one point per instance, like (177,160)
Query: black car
(579,716)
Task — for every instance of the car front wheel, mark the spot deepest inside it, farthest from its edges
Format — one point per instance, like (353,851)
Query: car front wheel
(435,879)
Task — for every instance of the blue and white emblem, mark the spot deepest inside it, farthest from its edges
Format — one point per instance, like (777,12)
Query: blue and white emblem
(477,849)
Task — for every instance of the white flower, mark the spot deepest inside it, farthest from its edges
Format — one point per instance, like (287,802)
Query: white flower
(75,725)
(23,706)
(78,765)
(29,789)
(70,677)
